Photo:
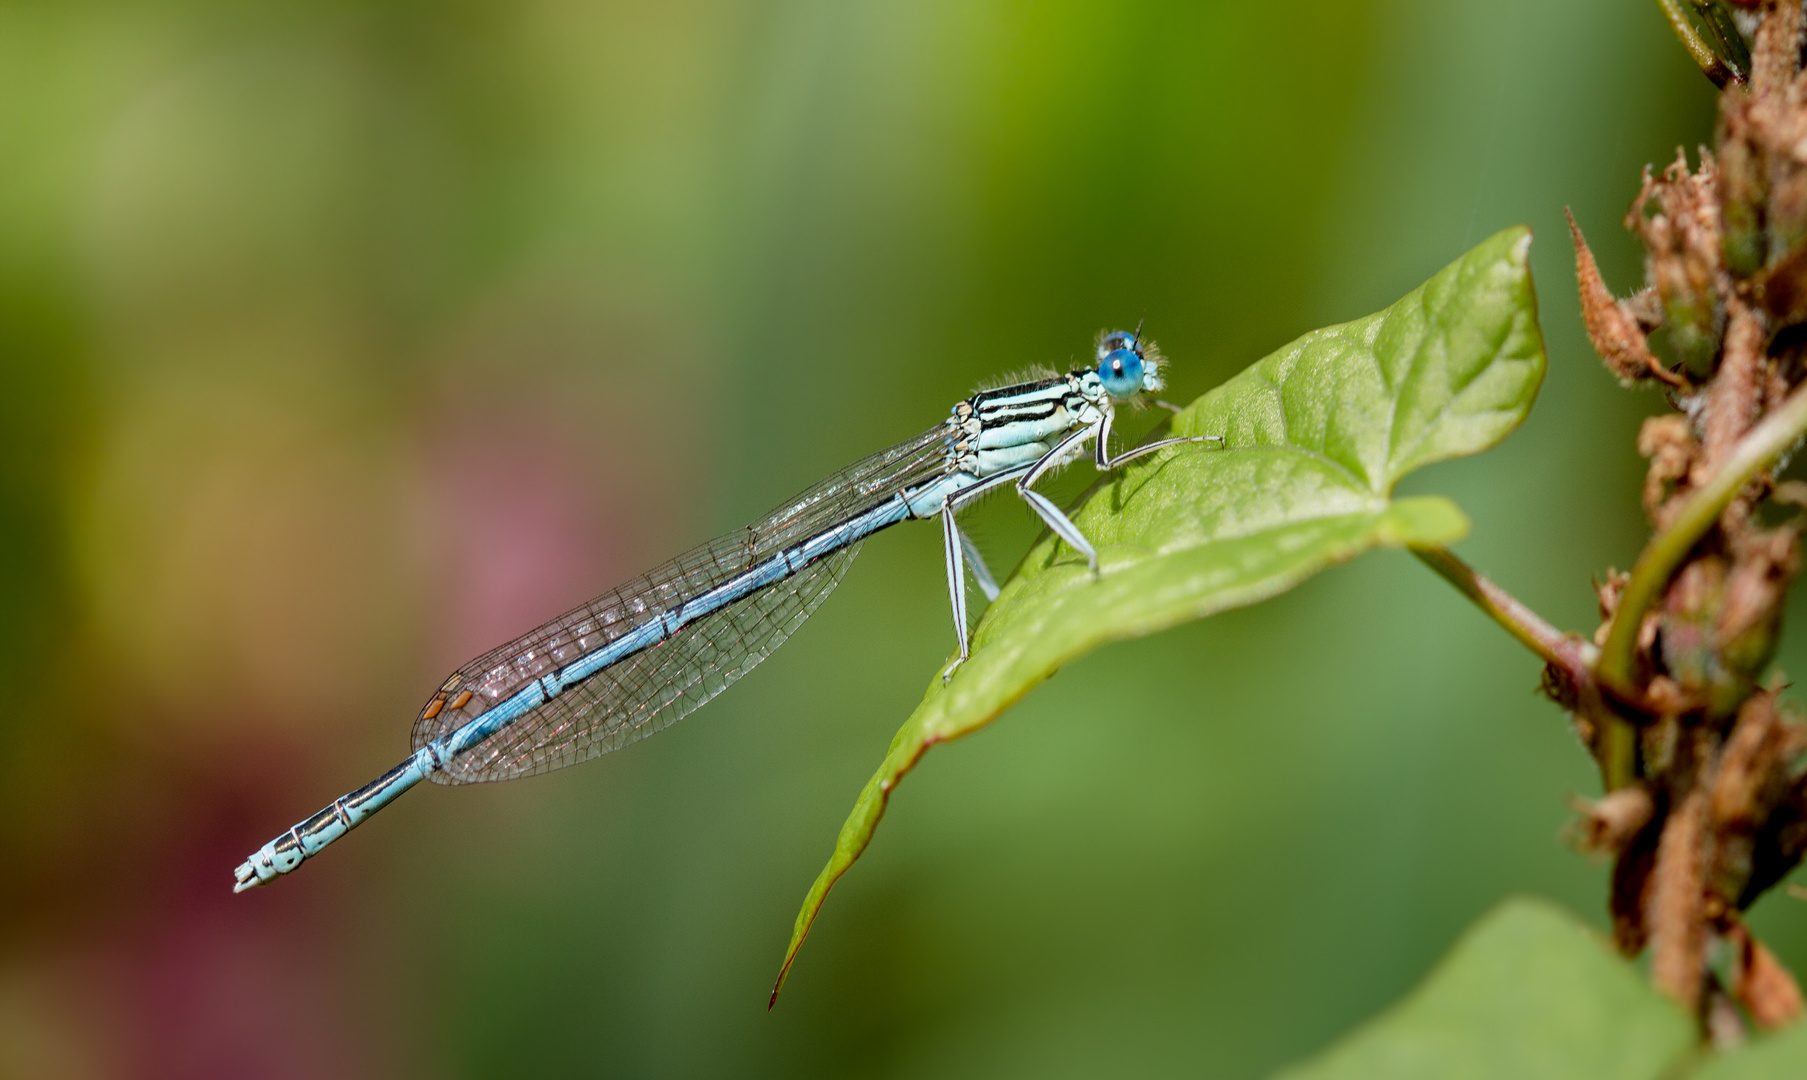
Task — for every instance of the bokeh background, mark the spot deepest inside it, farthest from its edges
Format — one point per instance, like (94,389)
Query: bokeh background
(340,341)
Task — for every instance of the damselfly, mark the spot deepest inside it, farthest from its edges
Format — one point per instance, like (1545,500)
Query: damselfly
(636,659)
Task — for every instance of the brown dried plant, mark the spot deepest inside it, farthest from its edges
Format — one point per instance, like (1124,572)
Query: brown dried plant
(1707,796)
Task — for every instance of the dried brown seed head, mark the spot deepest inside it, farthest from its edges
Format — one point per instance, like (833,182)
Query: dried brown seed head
(1609,824)
(1614,330)
(1668,441)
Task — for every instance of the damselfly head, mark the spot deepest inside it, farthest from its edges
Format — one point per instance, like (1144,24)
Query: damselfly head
(1128,365)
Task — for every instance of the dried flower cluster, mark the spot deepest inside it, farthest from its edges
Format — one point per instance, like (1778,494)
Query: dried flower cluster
(1714,809)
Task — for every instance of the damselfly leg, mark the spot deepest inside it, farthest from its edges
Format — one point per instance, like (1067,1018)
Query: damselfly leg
(957,543)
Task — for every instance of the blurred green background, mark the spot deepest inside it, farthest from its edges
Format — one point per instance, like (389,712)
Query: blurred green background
(340,341)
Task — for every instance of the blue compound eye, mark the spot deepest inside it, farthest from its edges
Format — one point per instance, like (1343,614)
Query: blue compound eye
(1120,370)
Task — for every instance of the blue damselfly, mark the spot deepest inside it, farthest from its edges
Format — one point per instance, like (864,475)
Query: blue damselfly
(638,658)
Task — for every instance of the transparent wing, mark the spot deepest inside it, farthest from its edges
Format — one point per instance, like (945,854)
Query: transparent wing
(653,688)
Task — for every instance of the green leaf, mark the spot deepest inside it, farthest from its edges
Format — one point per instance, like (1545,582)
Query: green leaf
(1528,991)
(1315,437)
(1782,1056)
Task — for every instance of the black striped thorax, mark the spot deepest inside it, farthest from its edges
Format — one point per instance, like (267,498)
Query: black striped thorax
(1011,425)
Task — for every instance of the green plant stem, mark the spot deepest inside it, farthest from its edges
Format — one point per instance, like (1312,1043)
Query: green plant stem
(1757,451)
(1698,47)
(1563,650)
